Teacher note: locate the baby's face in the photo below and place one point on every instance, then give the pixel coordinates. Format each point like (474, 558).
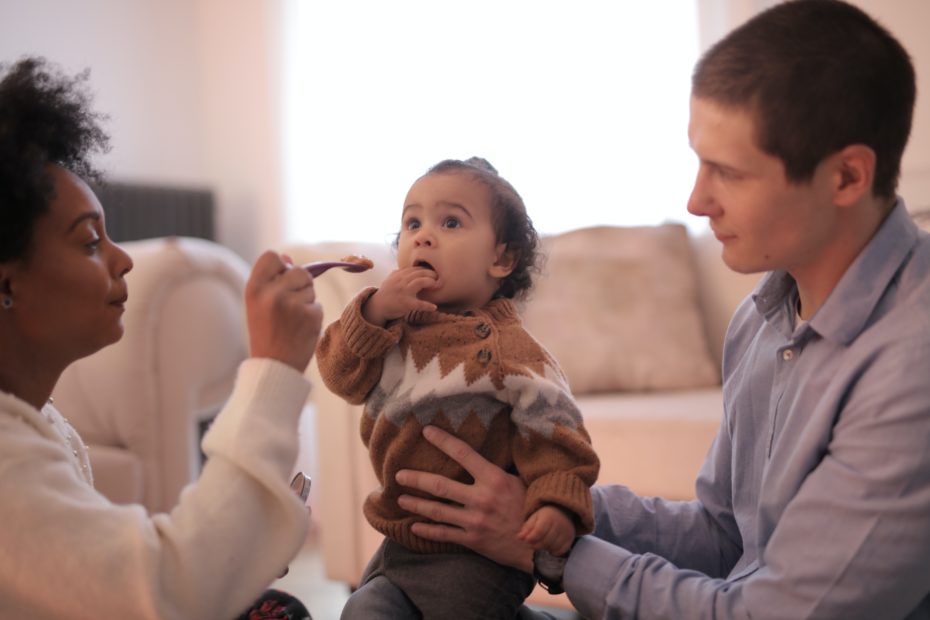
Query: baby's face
(447, 227)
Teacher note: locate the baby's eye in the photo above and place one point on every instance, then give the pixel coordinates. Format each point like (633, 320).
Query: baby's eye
(412, 224)
(451, 222)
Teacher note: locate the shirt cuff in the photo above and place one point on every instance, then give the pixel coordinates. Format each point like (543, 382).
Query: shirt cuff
(591, 573)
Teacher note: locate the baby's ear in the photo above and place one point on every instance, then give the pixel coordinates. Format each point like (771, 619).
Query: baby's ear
(505, 262)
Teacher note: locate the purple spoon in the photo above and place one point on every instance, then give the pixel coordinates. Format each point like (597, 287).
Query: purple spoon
(319, 268)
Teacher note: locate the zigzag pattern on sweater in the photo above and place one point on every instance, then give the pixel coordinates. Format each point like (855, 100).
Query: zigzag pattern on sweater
(540, 402)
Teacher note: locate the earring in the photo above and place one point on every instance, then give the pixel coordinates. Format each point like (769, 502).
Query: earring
(7, 302)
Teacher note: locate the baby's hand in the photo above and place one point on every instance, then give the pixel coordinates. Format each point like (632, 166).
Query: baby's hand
(398, 295)
(549, 529)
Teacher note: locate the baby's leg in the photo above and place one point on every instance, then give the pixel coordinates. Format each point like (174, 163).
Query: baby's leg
(464, 586)
(377, 599)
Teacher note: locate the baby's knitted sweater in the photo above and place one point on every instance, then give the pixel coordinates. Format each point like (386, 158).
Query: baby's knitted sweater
(478, 375)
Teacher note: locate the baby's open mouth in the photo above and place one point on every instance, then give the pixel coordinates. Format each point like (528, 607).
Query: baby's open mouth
(424, 265)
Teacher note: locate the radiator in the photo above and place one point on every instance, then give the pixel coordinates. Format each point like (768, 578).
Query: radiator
(136, 211)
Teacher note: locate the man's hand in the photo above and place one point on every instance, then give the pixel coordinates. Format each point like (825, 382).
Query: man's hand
(397, 295)
(283, 317)
(486, 515)
(549, 529)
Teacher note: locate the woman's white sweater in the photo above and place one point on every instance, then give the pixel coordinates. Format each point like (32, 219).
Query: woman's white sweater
(67, 552)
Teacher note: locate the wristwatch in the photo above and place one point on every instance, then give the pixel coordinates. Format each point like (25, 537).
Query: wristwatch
(548, 569)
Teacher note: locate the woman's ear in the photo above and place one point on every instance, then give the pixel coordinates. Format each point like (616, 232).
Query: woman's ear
(504, 263)
(854, 174)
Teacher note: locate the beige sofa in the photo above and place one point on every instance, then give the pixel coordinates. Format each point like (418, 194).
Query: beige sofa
(636, 318)
(141, 404)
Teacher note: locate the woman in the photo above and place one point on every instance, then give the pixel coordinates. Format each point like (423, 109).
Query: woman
(68, 552)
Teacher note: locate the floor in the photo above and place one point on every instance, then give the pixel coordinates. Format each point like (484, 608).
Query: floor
(306, 580)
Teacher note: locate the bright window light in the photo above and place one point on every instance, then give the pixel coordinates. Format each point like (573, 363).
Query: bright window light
(582, 106)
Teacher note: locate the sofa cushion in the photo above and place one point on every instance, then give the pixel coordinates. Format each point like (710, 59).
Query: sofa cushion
(618, 308)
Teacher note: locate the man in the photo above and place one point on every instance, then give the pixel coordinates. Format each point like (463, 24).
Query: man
(814, 500)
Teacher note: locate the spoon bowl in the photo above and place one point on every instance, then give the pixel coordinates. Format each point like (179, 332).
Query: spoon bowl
(319, 268)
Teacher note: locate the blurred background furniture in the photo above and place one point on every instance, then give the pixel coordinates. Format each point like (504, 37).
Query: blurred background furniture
(139, 211)
(635, 316)
(142, 404)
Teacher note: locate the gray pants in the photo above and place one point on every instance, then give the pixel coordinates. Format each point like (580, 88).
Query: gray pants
(400, 583)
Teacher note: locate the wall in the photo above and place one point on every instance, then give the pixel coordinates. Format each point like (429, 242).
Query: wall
(190, 87)
(907, 20)
(144, 68)
(193, 90)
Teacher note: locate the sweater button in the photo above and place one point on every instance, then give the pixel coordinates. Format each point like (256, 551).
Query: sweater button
(484, 356)
(483, 330)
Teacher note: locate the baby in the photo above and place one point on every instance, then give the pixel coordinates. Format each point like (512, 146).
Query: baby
(440, 342)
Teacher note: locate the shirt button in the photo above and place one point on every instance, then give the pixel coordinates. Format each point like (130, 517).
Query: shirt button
(484, 356)
(483, 330)
(787, 355)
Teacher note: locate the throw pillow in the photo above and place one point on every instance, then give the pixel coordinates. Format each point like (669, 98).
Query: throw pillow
(618, 309)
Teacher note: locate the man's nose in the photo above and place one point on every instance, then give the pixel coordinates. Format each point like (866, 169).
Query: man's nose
(701, 200)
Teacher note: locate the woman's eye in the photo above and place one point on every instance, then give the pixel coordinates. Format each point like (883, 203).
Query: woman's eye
(93, 243)
(451, 222)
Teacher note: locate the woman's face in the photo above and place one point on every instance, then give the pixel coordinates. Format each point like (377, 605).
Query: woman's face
(69, 292)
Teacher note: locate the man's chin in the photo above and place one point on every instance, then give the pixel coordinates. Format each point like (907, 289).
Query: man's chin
(741, 264)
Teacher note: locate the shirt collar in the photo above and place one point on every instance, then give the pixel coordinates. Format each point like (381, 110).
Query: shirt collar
(847, 309)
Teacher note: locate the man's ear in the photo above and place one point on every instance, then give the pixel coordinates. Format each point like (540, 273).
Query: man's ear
(854, 174)
(505, 262)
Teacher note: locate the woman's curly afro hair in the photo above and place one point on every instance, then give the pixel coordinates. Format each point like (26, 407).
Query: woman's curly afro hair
(45, 118)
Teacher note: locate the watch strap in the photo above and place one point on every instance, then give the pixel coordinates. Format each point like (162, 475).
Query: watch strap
(548, 569)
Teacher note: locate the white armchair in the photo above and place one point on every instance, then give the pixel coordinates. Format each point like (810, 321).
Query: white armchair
(141, 405)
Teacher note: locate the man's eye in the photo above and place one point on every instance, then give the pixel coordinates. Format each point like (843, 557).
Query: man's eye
(451, 222)
(727, 174)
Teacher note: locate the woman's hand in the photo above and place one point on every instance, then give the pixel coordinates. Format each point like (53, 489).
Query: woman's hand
(283, 317)
(487, 515)
(397, 295)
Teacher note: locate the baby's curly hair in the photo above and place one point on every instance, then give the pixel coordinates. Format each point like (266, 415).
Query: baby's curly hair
(512, 224)
(45, 117)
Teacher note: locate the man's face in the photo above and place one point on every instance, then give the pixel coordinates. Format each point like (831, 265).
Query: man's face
(763, 221)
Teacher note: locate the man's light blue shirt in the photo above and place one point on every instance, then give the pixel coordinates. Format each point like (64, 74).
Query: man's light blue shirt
(814, 500)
